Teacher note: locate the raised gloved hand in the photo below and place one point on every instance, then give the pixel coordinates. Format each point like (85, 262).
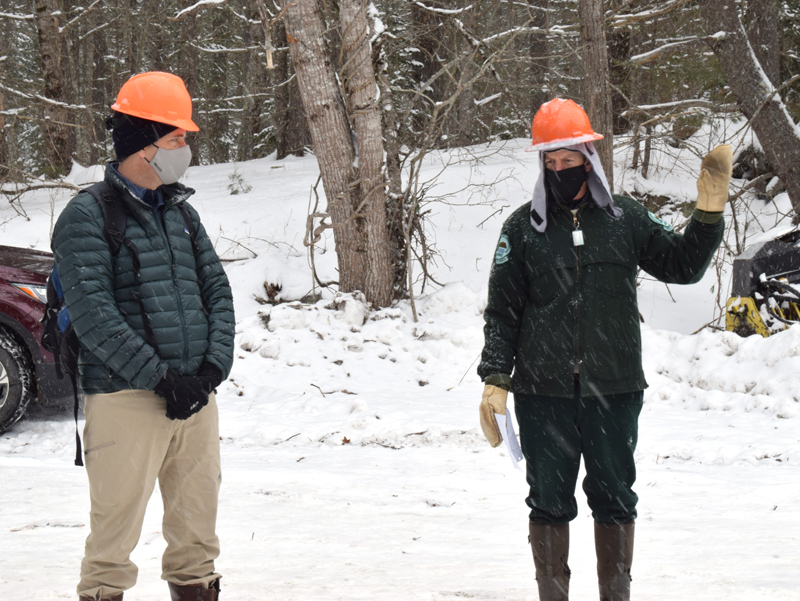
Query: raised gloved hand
(209, 375)
(493, 401)
(715, 179)
(185, 395)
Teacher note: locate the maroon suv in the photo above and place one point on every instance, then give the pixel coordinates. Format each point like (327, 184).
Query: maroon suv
(27, 371)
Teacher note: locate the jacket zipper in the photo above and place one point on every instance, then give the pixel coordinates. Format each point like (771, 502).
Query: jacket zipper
(576, 366)
(162, 226)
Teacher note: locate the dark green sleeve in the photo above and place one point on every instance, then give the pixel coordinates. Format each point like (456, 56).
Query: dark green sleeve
(503, 315)
(217, 298)
(85, 267)
(678, 258)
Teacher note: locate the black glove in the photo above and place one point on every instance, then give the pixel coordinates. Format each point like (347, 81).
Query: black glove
(185, 395)
(210, 376)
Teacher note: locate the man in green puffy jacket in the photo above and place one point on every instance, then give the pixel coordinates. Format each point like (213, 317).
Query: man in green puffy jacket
(562, 332)
(155, 325)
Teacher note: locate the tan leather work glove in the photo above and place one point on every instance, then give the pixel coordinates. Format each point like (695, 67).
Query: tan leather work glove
(715, 179)
(493, 401)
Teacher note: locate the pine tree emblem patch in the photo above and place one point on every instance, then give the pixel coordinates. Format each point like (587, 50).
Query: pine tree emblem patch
(503, 250)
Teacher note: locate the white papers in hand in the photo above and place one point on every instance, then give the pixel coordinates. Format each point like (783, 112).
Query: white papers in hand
(509, 436)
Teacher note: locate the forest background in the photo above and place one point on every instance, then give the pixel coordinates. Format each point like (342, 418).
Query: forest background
(371, 87)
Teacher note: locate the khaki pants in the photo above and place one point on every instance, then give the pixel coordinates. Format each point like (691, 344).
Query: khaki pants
(129, 442)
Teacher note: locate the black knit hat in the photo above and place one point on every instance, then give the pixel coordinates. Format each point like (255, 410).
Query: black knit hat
(131, 134)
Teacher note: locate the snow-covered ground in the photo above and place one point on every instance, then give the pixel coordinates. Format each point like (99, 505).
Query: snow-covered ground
(353, 464)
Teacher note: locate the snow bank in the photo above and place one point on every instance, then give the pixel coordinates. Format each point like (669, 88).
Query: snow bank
(334, 373)
(724, 372)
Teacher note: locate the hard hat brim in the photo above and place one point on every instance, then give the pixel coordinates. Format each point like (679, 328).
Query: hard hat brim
(561, 143)
(186, 124)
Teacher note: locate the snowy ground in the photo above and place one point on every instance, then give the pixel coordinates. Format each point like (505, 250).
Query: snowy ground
(353, 465)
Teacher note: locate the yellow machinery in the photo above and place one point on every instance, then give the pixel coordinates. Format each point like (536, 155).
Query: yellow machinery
(765, 292)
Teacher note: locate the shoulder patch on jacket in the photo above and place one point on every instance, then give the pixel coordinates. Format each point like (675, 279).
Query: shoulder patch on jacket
(503, 250)
(667, 227)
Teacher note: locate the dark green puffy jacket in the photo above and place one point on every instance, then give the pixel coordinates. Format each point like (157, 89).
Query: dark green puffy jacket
(556, 309)
(188, 299)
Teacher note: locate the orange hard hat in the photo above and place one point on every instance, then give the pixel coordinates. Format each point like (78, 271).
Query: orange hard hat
(560, 123)
(157, 96)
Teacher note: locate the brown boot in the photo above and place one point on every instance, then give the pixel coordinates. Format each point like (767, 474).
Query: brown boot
(550, 546)
(614, 545)
(194, 592)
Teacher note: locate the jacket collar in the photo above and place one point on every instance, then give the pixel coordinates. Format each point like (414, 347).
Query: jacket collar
(172, 194)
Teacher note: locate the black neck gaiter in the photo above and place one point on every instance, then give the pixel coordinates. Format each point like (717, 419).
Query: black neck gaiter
(562, 186)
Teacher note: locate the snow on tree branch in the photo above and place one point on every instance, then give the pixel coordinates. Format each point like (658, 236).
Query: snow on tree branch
(222, 49)
(16, 17)
(680, 104)
(488, 99)
(444, 11)
(83, 13)
(646, 57)
(194, 7)
(76, 107)
(621, 20)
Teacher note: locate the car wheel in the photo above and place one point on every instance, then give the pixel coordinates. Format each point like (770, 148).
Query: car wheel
(17, 380)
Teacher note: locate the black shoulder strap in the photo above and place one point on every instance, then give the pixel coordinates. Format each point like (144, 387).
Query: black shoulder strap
(187, 219)
(115, 215)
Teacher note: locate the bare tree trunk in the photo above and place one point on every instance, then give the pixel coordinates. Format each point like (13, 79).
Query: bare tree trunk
(101, 97)
(291, 130)
(761, 17)
(540, 59)
(58, 140)
(618, 48)
(466, 110)
(330, 131)
(756, 96)
(255, 79)
(637, 144)
(361, 92)
(130, 15)
(596, 88)
(394, 201)
(216, 87)
(3, 146)
(9, 156)
(190, 73)
(426, 32)
(648, 144)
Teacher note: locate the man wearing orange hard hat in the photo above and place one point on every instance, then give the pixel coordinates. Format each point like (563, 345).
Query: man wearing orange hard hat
(562, 333)
(152, 312)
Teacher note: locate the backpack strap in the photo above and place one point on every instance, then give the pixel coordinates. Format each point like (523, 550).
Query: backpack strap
(115, 215)
(115, 218)
(73, 378)
(187, 220)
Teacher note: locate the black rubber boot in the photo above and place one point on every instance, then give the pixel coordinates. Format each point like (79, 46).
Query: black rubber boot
(550, 546)
(194, 592)
(614, 546)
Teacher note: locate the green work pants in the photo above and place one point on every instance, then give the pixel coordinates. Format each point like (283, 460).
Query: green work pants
(555, 432)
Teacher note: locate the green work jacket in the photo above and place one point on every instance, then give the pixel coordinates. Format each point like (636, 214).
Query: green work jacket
(557, 310)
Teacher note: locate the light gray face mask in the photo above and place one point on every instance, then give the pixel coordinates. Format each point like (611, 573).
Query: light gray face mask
(170, 165)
